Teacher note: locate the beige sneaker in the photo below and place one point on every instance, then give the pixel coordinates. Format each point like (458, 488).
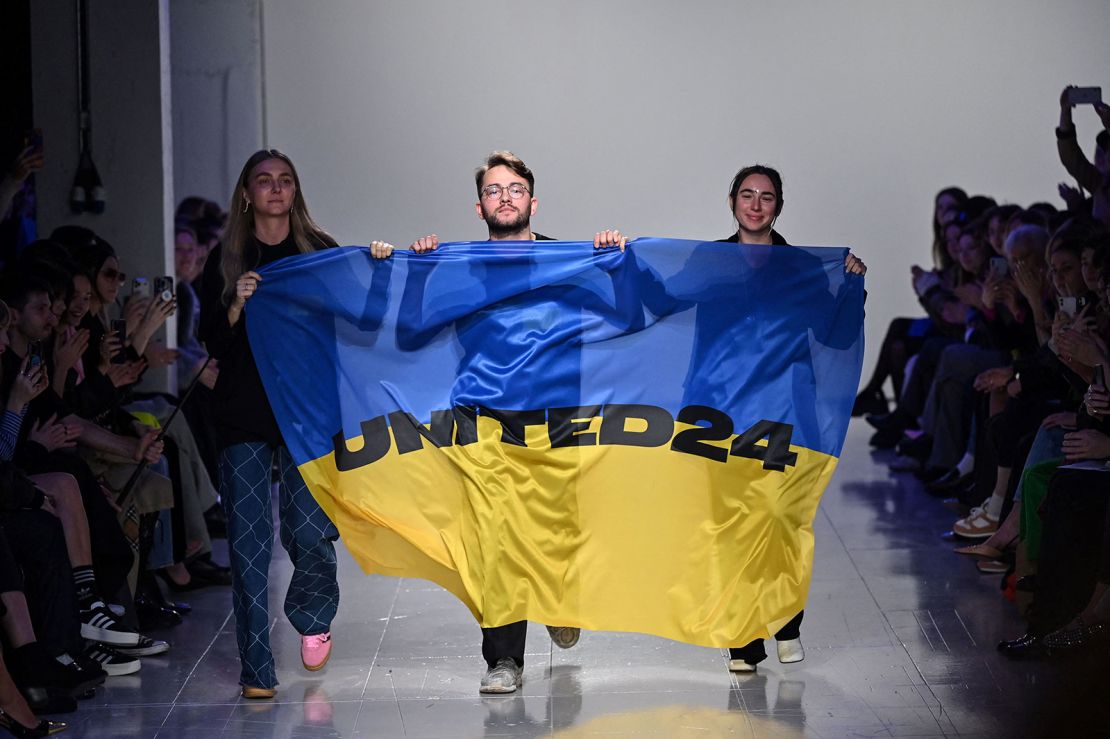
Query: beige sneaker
(504, 677)
(790, 650)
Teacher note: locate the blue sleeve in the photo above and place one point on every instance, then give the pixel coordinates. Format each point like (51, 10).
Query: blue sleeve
(10, 424)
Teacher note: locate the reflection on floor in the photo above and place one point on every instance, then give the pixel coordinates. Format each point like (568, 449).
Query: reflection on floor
(899, 638)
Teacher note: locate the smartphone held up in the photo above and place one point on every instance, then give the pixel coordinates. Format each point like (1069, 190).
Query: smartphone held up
(1084, 96)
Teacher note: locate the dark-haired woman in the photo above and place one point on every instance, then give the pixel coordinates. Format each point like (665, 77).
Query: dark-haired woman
(756, 200)
(905, 336)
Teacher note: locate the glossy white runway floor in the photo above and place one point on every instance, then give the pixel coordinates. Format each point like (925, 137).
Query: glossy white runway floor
(899, 636)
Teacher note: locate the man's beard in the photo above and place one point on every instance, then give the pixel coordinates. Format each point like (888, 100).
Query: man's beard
(507, 228)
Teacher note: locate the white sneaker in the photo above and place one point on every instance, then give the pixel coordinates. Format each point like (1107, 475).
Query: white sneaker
(739, 665)
(790, 650)
(564, 637)
(504, 677)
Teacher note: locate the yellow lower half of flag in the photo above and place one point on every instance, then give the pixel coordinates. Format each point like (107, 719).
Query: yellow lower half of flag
(607, 538)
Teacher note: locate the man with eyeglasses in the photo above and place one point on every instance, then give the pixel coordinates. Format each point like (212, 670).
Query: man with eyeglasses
(506, 202)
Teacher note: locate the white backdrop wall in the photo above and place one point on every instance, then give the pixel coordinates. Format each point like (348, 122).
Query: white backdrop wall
(636, 113)
(216, 49)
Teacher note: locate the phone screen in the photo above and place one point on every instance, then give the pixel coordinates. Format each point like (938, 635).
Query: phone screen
(999, 266)
(1085, 95)
(34, 139)
(140, 286)
(34, 356)
(120, 327)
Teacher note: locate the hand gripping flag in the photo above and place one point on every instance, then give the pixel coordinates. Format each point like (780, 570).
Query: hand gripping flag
(631, 441)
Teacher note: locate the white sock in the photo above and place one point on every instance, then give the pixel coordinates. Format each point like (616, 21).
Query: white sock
(993, 506)
(966, 464)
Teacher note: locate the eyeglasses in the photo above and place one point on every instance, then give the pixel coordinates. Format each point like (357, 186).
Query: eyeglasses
(114, 274)
(748, 195)
(516, 191)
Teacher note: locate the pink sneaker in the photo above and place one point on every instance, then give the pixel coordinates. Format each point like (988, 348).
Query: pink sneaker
(315, 651)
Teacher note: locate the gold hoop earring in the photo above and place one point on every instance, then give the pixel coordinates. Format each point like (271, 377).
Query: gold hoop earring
(246, 205)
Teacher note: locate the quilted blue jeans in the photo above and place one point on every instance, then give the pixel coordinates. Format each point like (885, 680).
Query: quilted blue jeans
(307, 535)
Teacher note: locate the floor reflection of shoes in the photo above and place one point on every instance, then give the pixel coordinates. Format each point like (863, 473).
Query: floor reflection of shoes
(790, 650)
(317, 706)
(564, 637)
(789, 695)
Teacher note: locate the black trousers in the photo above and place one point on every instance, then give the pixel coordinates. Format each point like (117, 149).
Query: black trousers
(38, 546)
(1074, 515)
(754, 652)
(500, 642)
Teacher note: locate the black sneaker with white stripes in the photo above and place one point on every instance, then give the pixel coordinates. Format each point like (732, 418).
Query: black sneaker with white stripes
(111, 661)
(146, 647)
(98, 624)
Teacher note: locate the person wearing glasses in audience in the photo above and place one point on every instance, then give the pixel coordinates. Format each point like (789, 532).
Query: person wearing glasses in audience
(506, 203)
(756, 201)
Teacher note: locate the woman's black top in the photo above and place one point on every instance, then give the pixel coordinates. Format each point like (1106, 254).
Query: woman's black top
(241, 411)
(776, 239)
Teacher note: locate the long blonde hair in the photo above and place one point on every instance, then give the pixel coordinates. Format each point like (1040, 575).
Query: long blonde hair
(307, 234)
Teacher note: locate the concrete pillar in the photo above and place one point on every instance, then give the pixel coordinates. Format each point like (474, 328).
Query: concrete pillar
(131, 121)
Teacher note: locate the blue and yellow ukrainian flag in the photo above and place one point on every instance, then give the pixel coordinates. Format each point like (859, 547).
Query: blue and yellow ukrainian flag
(629, 441)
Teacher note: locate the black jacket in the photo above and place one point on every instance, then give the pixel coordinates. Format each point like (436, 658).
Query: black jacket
(240, 409)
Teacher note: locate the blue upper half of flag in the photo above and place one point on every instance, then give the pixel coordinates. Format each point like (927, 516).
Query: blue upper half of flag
(758, 332)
